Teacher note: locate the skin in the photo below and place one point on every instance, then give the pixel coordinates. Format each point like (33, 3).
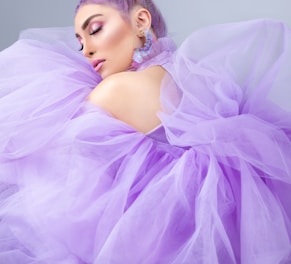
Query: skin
(104, 34)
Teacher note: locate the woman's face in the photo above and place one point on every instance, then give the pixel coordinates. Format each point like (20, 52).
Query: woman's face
(106, 38)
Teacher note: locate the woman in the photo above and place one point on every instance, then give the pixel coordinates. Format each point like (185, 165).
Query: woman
(118, 93)
(146, 154)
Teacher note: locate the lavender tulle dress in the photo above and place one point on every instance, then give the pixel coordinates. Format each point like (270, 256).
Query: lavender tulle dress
(211, 184)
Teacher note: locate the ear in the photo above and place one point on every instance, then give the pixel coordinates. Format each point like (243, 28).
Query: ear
(142, 19)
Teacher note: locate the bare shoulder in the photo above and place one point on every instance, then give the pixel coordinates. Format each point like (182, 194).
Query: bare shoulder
(120, 82)
(132, 97)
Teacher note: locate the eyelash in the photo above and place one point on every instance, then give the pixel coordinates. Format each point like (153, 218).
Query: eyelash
(80, 49)
(95, 31)
(91, 34)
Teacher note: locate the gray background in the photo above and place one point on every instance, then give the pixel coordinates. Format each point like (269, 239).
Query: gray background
(183, 16)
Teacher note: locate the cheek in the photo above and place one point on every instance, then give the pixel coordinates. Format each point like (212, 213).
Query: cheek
(114, 33)
(120, 51)
(119, 39)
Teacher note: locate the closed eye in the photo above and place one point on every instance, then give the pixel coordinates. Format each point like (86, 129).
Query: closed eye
(93, 32)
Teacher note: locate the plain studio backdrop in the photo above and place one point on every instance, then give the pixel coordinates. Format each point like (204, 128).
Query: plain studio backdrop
(182, 16)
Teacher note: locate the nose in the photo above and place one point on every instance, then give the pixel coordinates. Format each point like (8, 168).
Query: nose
(89, 54)
(88, 51)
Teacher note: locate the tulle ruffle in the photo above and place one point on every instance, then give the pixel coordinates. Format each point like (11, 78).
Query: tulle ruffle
(79, 186)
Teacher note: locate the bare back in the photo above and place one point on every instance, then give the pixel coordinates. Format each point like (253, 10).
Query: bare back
(132, 97)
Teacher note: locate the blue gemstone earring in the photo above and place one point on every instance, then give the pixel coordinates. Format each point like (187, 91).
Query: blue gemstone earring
(140, 54)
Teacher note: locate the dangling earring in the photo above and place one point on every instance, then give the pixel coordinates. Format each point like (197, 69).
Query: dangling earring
(140, 54)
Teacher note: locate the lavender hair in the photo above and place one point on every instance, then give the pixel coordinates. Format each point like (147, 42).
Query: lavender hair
(125, 6)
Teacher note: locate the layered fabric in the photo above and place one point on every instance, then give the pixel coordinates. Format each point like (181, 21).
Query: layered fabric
(211, 184)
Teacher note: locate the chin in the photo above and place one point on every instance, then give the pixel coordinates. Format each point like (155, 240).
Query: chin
(105, 74)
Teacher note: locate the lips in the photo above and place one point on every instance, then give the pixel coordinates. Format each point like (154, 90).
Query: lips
(97, 64)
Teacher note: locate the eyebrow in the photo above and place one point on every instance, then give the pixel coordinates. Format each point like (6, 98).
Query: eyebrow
(87, 21)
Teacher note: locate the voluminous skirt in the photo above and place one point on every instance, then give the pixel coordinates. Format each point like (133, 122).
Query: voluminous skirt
(212, 184)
